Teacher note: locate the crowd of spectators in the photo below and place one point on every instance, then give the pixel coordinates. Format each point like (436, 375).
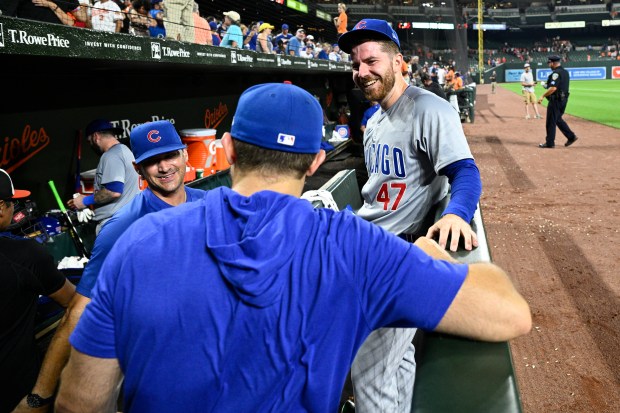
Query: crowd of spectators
(178, 20)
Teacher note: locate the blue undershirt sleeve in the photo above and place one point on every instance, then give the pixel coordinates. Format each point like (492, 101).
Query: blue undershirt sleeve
(465, 188)
(115, 187)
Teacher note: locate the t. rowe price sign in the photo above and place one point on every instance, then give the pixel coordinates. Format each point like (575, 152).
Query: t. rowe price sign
(615, 72)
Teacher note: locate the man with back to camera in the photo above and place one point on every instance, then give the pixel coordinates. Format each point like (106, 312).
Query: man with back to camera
(557, 94)
(116, 181)
(258, 302)
(160, 161)
(529, 95)
(428, 84)
(27, 270)
(415, 152)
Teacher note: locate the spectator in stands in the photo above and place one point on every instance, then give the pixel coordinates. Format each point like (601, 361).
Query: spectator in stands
(125, 6)
(157, 15)
(296, 44)
(179, 20)
(139, 18)
(106, 16)
(27, 271)
(29, 10)
(324, 52)
(309, 39)
(284, 35)
(341, 21)
(215, 38)
(529, 95)
(308, 51)
(441, 76)
(428, 84)
(202, 30)
(264, 44)
(63, 17)
(251, 37)
(234, 36)
(280, 48)
(457, 82)
(335, 53)
(433, 72)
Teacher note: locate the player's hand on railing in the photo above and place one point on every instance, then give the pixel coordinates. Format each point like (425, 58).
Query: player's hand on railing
(455, 227)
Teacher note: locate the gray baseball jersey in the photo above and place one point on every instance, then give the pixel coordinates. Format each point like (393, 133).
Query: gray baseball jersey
(405, 147)
(116, 165)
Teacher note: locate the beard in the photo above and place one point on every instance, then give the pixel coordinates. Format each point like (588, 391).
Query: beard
(379, 90)
(96, 149)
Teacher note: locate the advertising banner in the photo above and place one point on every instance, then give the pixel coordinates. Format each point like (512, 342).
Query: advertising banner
(576, 73)
(513, 75)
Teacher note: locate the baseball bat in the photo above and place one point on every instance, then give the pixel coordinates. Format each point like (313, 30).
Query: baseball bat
(78, 177)
(77, 241)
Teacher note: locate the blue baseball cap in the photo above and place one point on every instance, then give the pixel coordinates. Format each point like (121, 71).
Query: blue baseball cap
(299, 124)
(154, 138)
(372, 29)
(284, 26)
(100, 125)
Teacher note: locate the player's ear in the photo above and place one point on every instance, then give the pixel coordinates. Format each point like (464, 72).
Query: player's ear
(318, 160)
(229, 148)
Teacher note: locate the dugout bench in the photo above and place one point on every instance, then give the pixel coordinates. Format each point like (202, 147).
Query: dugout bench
(453, 374)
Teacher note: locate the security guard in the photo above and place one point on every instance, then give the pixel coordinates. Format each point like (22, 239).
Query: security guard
(557, 94)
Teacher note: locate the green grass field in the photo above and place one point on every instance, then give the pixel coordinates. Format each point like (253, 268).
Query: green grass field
(595, 100)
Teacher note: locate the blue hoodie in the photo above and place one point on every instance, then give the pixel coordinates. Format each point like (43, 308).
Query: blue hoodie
(253, 304)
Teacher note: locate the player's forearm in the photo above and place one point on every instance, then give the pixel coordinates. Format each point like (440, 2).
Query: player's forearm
(488, 307)
(59, 348)
(466, 188)
(430, 247)
(105, 196)
(89, 384)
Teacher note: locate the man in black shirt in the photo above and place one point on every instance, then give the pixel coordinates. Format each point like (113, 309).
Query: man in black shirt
(431, 86)
(27, 270)
(557, 94)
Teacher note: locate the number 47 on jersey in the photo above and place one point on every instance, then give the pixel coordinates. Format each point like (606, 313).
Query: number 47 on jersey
(390, 194)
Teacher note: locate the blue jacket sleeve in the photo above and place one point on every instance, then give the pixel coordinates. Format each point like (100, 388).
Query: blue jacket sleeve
(465, 188)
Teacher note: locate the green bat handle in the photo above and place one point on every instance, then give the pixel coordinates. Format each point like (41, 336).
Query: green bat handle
(60, 204)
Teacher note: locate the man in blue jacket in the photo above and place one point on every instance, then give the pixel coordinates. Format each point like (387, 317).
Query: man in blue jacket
(247, 301)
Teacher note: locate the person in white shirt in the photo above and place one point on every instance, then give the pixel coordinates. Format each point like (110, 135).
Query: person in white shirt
(529, 97)
(441, 76)
(106, 16)
(335, 53)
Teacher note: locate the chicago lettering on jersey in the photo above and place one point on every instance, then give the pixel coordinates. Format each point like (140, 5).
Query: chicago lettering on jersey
(386, 160)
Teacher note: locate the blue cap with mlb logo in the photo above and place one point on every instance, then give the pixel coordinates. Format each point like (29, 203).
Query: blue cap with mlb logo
(298, 126)
(371, 29)
(154, 138)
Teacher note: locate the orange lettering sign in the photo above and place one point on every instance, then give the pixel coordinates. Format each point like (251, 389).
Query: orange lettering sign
(213, 117)
(15, 151)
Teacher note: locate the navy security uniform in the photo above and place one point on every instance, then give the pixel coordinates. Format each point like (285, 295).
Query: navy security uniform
(557, 104)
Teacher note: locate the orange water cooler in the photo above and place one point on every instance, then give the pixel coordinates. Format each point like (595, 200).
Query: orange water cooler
(204, 151)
